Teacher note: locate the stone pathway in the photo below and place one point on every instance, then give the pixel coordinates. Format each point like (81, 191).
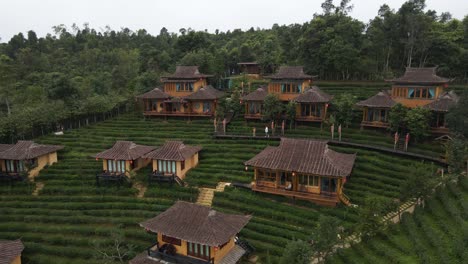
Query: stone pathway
(141, 189)
(205, 197)
(39, 187)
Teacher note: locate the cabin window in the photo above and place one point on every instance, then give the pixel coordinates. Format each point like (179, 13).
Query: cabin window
(255, 108)
(116, 166)
(263, 175)
(309, 180)
(198, 250)
(421, 93)
(206, 107)
(438, 120)
(167, 166)
(182, 165)
(184, 87)
(311, 110)
(290, 88)
(377, 115)
(171, 240)
(14, 166)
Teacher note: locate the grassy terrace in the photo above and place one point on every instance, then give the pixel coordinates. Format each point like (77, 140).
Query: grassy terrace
(436, 234)
(59, 225)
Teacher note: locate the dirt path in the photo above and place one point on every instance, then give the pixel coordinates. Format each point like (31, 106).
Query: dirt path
(141, 189)
(39, 187)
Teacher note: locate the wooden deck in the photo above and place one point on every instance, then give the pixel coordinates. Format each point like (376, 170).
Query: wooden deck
(321, 199)
(309, 119)
(375, 124)
(187, 114)
(440, 130)
(6, 176)
(255, 116)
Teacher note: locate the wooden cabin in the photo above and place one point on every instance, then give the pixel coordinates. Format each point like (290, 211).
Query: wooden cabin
(250, 68)
(439, 108)
(184, 93)
(118, 161)
(25, 158)
(290, 84)
(253, 103)
(172, 161)
(10, 251)
(418, 87)
(302, 169)
(192, 233)
(375, 110)
(312, 105)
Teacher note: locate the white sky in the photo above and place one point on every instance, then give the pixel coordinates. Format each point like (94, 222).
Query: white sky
(40, 15)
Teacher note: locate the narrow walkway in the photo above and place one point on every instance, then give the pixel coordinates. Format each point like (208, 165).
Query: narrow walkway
(141, 189)
(205, 197)
(393, 217)
(39, 187)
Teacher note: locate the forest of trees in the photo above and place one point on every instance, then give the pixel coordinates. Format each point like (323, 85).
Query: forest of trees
(78, 71)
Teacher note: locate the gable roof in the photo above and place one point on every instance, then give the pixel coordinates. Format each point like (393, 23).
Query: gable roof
(25, 149)
(290, 72)
(313, 95)
(381, 99)
(156, 93)
(257, 95)
(444, 102)
(187, 72)
(9, 250)
(420, 75)
(124, 150)
(173, 150)
(197, 223)
(304, 156)
(205, 93)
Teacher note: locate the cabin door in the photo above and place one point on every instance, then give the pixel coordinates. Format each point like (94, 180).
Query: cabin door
(168, 107)
(328, 185)
(286, 180)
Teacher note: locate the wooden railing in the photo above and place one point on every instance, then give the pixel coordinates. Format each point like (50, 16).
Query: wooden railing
(155, 252)
(375, 124)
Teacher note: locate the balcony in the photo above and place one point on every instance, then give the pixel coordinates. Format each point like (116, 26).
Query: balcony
(327, 199)
(160, 254)
(172, 113)
(158, 176)
(107, 177)
(12, 176)
(253, 116)
(309, 118)
(375, 124)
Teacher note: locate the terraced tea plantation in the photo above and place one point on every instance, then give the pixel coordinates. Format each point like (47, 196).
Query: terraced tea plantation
(71, 218)
(436, 234)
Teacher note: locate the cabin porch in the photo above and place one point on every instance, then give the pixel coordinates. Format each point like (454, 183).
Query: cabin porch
(107, 177)
(158, 176)
(318, 189)
(159, 252)
(12, 176)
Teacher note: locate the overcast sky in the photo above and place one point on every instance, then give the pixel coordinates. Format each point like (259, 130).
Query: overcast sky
(40, 15)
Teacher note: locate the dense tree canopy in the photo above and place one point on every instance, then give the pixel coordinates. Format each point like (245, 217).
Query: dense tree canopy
(80, 70)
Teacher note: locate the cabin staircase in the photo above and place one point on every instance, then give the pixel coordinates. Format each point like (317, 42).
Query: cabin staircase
(400, 145)
(180, 181)
(39, 187)
(206, 195)
(344, 199)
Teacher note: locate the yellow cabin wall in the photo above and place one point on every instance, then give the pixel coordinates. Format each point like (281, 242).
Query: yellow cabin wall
(220, 253)
(17, 260)
(199, 109)
(2, 165)
(412, 103)
(170, 88)
(275, 88)
(216, 254)
(189, 164)
(182, 249)
(43, 161)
